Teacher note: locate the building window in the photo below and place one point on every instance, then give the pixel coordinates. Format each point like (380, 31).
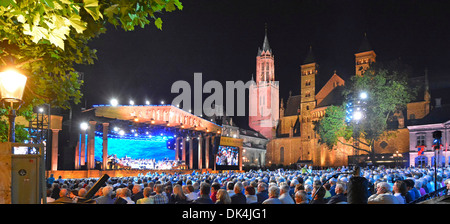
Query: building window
(420, 140)
(412, 116)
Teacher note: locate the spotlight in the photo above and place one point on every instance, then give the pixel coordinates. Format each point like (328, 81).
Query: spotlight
(357, 115)
(363, 95)
(84, 126)
(147, 102)
(114, 102)
(131, 102)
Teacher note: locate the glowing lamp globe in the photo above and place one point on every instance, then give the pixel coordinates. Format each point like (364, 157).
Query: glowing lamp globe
(12, 85)
(363, 95)
(84, 126)
(114, 102)
(357, 115)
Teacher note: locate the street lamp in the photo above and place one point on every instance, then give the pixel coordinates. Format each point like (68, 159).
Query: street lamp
(84, 126)
(12, 86)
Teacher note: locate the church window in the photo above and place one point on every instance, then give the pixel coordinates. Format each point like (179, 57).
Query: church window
(307, 107)
(308, 83)
(308, 94)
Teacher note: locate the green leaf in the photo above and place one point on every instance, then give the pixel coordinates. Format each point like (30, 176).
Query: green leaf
(178, 4)
(158, 23)
(6, 3)
(91, 6)
(49, 3)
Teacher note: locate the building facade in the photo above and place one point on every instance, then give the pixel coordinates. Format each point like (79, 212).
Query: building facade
(264, 93)
(422, 151)
(253, 146)
(295, 139)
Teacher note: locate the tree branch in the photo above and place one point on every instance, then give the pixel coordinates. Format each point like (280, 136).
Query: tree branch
(29, 61)
(352, 146)
(37, 95)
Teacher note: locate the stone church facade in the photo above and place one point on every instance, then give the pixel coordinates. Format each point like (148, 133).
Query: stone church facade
(293, 139)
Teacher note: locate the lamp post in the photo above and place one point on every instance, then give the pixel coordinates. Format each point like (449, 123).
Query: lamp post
(12, 85)
(355, 113)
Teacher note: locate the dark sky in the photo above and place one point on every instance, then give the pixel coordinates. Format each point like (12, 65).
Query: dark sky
(220, 39)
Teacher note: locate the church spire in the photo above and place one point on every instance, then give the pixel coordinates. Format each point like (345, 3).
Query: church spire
(310, 57)
(266, 46)
(364, 57)
(365, 45)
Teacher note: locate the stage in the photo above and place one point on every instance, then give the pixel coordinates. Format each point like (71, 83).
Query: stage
(80, 174)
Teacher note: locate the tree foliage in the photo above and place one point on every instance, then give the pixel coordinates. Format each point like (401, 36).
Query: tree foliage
(388, 92)
(45, 39)
(332, 126)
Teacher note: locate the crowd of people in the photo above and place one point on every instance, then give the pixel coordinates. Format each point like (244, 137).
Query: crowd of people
(303, 186)
(149, 164)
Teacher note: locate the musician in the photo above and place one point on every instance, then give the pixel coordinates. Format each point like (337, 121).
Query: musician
(112, 161)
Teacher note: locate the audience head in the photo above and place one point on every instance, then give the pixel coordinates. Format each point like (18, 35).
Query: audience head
(223, 196)
(300, 197)
(274, 192)
(238, 188)
(249, 190)
(205, 189)
(147, 191)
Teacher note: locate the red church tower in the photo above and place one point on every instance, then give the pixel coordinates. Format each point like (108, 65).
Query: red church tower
(264, 94)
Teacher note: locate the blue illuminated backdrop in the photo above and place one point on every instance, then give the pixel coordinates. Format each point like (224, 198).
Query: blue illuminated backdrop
(154, 147)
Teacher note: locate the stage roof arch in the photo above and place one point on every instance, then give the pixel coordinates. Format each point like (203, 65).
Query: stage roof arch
(156, 115)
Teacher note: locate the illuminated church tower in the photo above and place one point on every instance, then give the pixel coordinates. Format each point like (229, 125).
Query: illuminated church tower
(364, 57)
(264, 94)
(309, 71)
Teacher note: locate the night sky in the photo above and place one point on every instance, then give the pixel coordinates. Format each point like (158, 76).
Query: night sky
(220, 39)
